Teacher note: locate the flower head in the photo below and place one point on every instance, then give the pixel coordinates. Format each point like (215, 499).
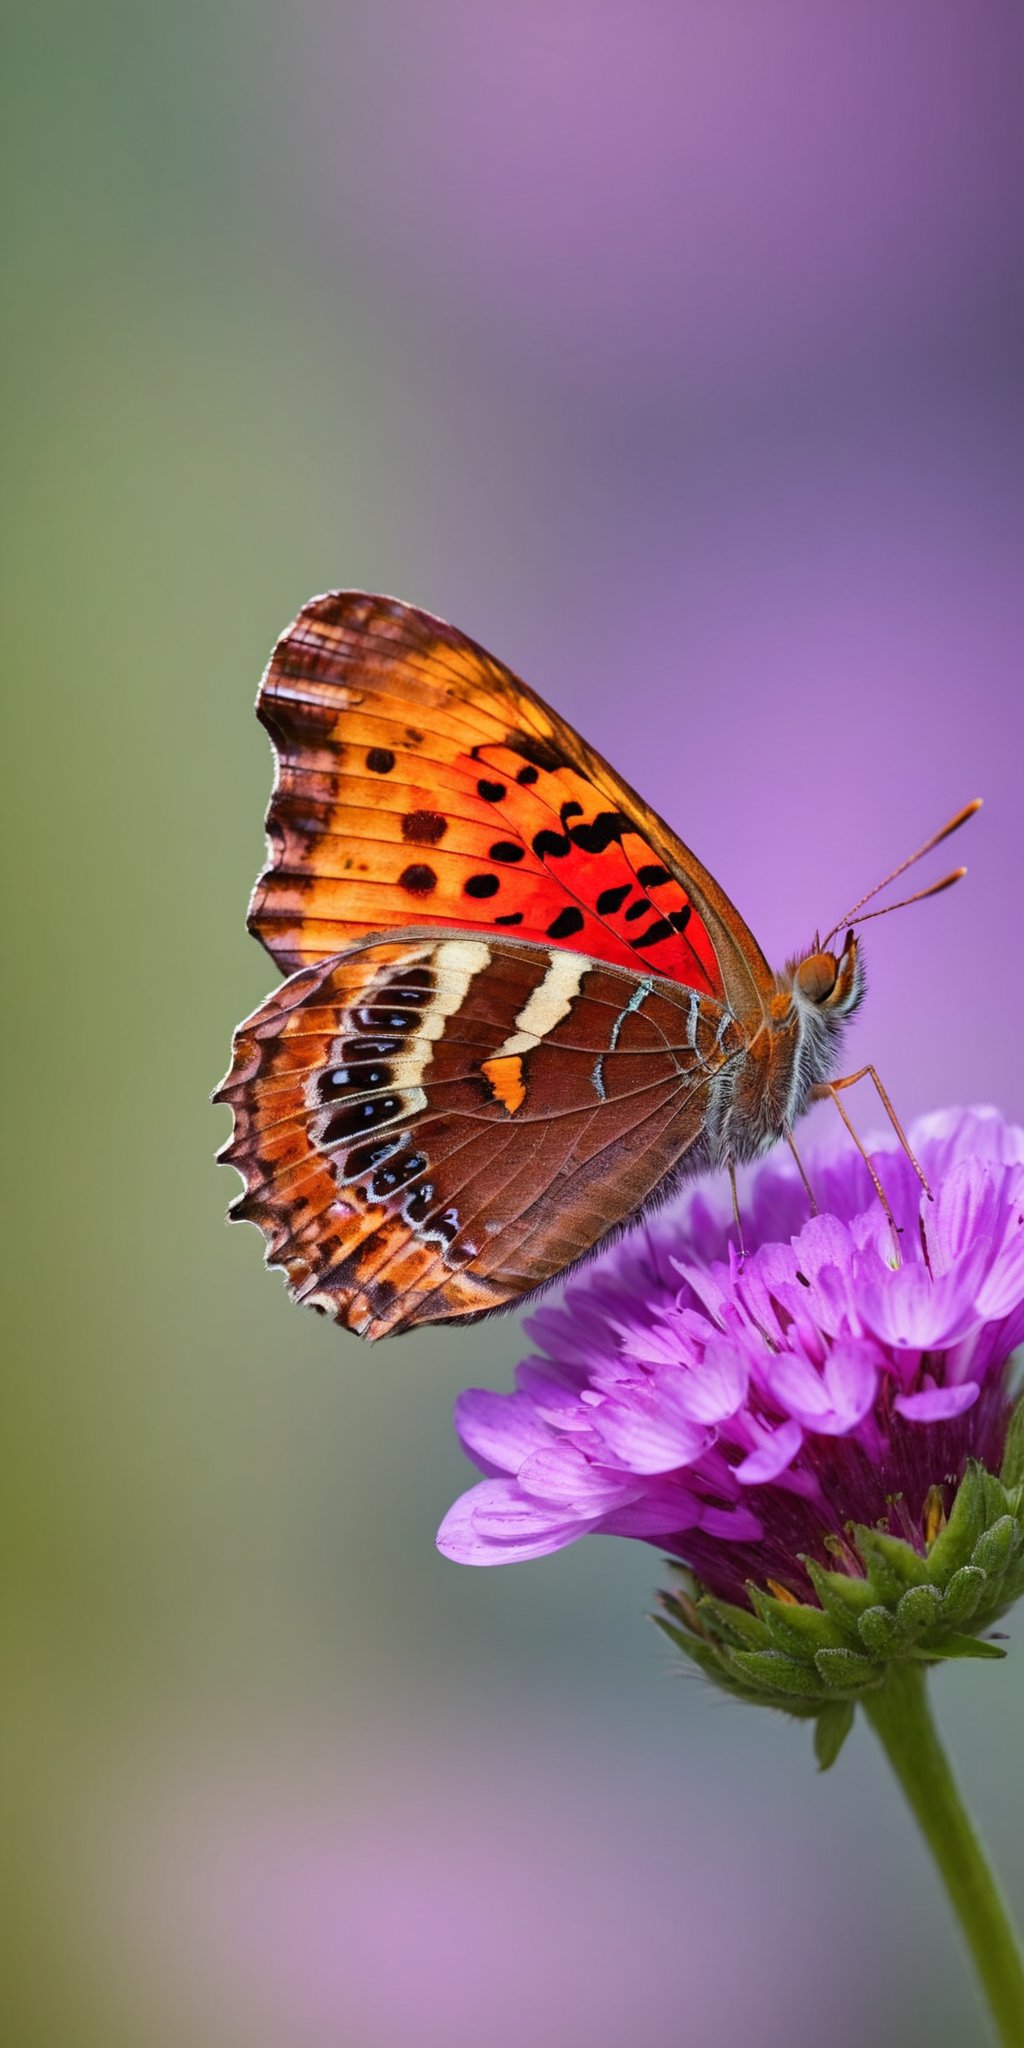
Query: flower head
(743, 1414)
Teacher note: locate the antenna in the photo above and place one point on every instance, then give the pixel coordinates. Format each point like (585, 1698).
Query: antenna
(936, 888)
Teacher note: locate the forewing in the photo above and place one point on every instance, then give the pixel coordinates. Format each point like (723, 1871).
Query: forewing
(429, 1128)
(418, 781)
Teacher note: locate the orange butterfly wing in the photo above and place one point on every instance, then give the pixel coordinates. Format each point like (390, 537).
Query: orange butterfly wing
(419, 782)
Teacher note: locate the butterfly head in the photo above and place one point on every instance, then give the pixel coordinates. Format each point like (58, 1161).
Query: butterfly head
(828, 985)
(815, 997)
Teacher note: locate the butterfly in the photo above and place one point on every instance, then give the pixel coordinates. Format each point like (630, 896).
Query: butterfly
(518, 1012)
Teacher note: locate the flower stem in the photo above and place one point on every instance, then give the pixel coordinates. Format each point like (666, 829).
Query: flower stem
(901, 1717)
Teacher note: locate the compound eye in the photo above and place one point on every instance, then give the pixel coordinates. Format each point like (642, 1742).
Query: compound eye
(816, 976)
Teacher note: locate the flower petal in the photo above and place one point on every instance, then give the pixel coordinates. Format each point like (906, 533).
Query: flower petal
(499, 1430)
(937, 1404)
(494, 1524)
(774, 1451)
(648, 1433)
(716, 1388)
(733, 1525)
(560, 1473)
(831, 1402)
(659, 1511)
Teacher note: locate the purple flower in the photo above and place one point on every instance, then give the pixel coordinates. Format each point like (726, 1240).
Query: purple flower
(741, 1413)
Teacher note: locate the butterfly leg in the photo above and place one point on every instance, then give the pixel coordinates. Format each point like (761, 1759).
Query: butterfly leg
(736, 1217)
(870, 1073)
(802, 1171)
(831, 1089)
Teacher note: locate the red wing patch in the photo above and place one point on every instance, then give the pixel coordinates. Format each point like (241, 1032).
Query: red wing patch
(419, 782)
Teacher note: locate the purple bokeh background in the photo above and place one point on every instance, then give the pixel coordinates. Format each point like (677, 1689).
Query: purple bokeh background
(726, 327)
(674, 353)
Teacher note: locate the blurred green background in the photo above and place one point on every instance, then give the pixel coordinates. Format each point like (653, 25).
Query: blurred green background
(676, 358)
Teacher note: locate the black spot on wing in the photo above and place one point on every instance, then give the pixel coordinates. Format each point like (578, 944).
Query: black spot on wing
(418, 880)
(548, 845)
(357, 1117)
(416, 984)
(565, 924)
(424, 828)
(401, 1170)
(380, 760)
(338, 1081)
(607, 827)
(370, 1048)
(660, 929)
(384, 1017)
(418, 1205)
(363, 1158)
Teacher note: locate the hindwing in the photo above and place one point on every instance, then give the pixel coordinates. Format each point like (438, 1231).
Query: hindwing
(429, 1127)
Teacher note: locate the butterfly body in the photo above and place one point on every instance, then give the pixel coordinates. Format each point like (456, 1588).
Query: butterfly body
(519, 1010)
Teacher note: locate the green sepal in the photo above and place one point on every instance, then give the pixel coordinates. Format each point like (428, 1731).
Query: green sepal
(968, 1646)
(736, 1625)
(831, 1728)
(879, 1631)
(963, 1593)
(773, 1671)
(794, 1627)
(1012, 1473)
(994, 1497)
(954, 1544)
(919, 1610)
(813, 1661)
(891, 1564)
(995, 1549)
(843, 1598)
(845, 1671)
(703, 1654)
